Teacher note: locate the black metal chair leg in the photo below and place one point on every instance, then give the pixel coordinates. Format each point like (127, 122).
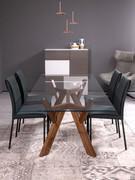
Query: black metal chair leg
(90, 122)
(116, 124)
(17, 123)
(119, 128)
(43, 130)
(88, 125)
(23, 121)
(112, 121)
(124, 136)
(11, 132)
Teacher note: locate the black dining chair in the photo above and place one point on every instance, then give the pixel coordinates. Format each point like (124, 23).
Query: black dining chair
(111, 113)
(112, 86)
(109, 92)
(113, 83)
(26, 98)
(20, 110)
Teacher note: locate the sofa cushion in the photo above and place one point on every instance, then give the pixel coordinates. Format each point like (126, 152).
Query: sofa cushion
(132, 85)
(132, 69)
(123, 67)
(126, 56)
(106, 77)
(124, 60)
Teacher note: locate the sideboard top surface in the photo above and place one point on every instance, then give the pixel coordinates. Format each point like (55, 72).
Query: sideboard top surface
(66, 49)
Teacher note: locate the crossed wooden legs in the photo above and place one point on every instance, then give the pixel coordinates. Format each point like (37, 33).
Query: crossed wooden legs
(79, 121)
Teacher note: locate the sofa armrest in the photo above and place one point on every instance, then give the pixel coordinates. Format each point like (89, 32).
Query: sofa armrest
(132, 85)
(106, 77)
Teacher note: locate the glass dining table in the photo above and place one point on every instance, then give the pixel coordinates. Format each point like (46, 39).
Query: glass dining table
(76, 94)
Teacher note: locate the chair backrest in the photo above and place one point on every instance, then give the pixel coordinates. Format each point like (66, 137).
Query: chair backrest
(22, 84)
(15, 95)
(120, 95)
(113, 83)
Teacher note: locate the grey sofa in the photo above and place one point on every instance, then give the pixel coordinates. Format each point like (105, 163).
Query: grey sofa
(125, 63)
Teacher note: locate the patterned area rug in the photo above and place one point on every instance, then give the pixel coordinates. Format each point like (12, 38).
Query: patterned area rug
(67, 159)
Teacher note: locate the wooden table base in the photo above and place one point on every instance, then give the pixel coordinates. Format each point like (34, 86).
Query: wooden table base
(79, 121)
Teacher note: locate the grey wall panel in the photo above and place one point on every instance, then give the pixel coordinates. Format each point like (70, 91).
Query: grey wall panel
(0, 48)
(0, 68)
(31, 26)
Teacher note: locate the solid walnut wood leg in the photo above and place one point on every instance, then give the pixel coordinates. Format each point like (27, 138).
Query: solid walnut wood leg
(83, 133)
(60, 98)
(52, 133)
(76, 100)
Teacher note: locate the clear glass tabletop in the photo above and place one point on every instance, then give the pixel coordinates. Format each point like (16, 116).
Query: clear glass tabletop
(77, 94)
(72, 93)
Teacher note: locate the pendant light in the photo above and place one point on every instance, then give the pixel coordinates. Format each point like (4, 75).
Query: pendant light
(60, 10)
